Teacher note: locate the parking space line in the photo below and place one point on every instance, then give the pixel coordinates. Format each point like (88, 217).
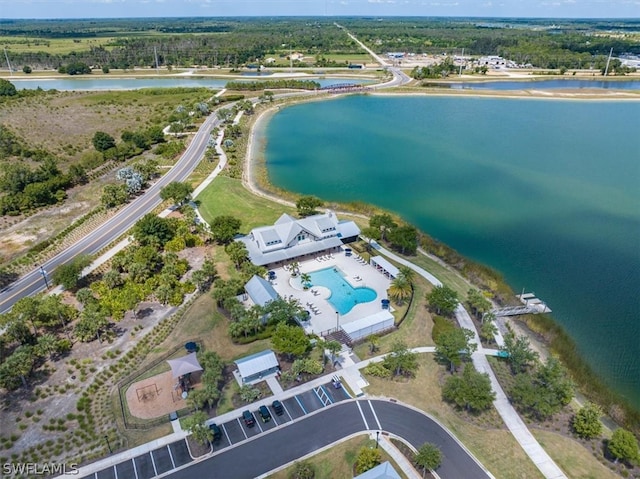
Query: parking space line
(135, 471)
(259, 426)
(374, 414)
(273, 418)
(226, 434)
(301, 406)
(285, 408)
(173, 463)
(326, 394)
(115, 470)
(242, 428)
(153, 463)
(362, 414)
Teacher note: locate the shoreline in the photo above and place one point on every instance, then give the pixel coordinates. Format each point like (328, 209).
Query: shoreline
(255, 161)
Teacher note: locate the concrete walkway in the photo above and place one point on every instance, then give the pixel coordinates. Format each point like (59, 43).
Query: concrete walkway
(512, 420)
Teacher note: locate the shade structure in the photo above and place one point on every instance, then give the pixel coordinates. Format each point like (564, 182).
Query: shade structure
(184, 365)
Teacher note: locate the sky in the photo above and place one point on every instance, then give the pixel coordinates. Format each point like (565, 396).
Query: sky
(220, 8)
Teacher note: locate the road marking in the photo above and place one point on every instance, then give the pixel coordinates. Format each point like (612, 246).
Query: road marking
(374, 414)
(242, 428)
(258, 423)
(173, 463)
(301, 406)
(362, 414)
(115, 471)
(135, 471)
(287, 411)
(226, 434)
(153, 463)
(273, 418)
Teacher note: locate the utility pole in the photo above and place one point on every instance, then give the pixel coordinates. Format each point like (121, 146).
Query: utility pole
(606, 69)
(43, 272)
(8, 64)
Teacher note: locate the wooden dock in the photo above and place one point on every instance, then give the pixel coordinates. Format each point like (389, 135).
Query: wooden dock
(530, 305)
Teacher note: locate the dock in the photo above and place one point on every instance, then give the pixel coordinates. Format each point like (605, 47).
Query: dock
(530, 305)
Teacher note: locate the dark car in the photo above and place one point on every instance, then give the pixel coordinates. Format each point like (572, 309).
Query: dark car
(248, 418)
(217, 432)
(264, 414)
(277, 407)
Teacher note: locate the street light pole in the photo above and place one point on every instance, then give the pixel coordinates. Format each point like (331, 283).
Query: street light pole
(44, 276)
(337, 321)
(106, 438)
(377, 438)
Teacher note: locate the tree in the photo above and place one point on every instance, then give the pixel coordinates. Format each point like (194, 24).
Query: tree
(471, 391)
(400, 290)
(488, 331)
(153, 230)
(367, 458)
(454, 344)
(290, 340)
(623, 446)
(334, 347)
(237, 252)
(428, 457)
(114, 195)
(17, 367)
(7, 88)
(371, 234)
(382, 223)
(404, 238)
(519, 353)
(224, 228)
(303, 470)
(443, 299)
(544, 393)
(68, 275)
(26, 69)
(586, 422)
(196, 425)
(103, 141)
(407, 273)
(93, 320)
(249, 393)
(478, 303)
(401, 361)
(374, 341)
(307, 205)
(177, 192)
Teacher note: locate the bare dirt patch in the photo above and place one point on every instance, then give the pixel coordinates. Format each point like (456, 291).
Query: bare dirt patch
(156, 396)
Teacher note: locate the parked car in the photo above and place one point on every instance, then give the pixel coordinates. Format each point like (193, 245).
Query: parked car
(265, 415)
(248, 418)
(277, 407)
(217, 432)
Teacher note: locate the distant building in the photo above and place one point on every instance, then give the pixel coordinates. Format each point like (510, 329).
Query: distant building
(492, 61)
(291, 238)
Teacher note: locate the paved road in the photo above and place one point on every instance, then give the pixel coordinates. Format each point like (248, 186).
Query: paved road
(281, 446)
(117, 225)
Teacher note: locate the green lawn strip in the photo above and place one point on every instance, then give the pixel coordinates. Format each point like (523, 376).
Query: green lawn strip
(485, 435)
(227, 196)
(338, 461)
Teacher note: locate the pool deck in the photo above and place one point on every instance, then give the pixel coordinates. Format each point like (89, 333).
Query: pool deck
(288, 287)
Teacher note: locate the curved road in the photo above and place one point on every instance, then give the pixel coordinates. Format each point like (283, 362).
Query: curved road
(117, 225)
(283, 445)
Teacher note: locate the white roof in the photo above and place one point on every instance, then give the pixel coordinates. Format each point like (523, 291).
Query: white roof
(384, 264)
(382, 471)
(368, 321)
(256, 363)
(260, 290)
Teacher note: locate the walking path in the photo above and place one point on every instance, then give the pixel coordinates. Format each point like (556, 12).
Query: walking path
(512, 420)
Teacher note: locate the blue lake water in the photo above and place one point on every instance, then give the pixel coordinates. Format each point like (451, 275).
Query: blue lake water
(545, 191)
(556, 84)
(87, 83)
(343, 296)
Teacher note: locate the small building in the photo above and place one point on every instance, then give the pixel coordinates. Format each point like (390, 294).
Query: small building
(384, 266)
(260, 291)
(257, 366)
(364, 327)
(381, 471)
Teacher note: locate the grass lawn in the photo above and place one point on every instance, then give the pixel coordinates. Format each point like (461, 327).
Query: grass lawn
(226, 196)
(484, 436)
(576, 461)
(338, 461)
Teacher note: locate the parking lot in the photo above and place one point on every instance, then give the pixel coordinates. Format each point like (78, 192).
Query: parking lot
(176, 454)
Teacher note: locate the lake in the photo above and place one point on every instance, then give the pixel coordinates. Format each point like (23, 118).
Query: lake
(87, 83)
(545, 191)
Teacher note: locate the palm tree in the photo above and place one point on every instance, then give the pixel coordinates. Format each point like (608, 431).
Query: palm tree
(407, 273)
(400, 290)
(306, 280)
(333, 347)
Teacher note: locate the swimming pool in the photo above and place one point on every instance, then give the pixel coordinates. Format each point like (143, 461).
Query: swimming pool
(343, 296)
